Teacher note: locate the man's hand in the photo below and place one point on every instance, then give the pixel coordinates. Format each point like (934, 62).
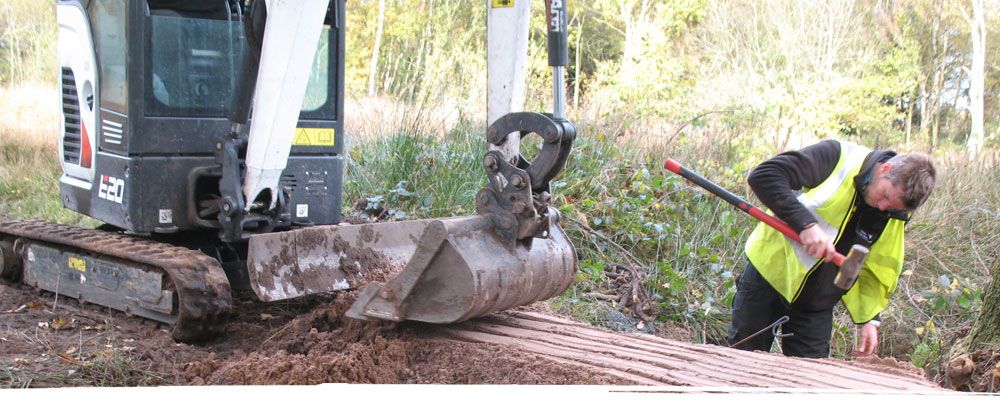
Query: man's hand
(817, 242)
(867, 340)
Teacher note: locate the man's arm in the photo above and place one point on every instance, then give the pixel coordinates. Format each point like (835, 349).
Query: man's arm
(775, 181)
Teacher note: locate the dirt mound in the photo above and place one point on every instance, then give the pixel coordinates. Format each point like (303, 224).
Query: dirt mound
(889, 365)
(324, 346)
(319, 346)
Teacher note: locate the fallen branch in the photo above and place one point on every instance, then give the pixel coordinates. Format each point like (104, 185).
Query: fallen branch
(597, 234)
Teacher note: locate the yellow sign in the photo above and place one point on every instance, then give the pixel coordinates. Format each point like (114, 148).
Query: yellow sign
(78, 264)
(314, 137)
(503, 3)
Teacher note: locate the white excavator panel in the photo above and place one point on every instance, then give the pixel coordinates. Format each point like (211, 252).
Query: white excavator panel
(290, 37)
(78, 69)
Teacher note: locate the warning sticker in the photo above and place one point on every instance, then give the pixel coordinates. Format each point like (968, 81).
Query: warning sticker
(78, 264)
(314, 137)
(503, 3)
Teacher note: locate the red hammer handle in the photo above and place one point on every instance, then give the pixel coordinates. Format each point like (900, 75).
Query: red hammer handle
(741, 204)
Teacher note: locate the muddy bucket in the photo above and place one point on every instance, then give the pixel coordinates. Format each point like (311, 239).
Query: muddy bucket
(435, 270)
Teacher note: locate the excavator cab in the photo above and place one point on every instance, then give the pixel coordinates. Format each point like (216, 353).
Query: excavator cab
(208, 137)
(157, 85)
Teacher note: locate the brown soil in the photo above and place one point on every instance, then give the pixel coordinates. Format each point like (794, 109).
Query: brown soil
(49, 342)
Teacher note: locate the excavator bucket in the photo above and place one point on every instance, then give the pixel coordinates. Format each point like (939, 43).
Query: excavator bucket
(434, 270)
(512, 253)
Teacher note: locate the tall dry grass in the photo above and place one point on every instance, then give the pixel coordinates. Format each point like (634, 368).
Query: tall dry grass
(368, 119)
(29, 155)
(29, 114)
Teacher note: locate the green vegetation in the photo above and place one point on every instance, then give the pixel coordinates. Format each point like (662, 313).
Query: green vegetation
(412, 173)
(27, 42)
(29, 182)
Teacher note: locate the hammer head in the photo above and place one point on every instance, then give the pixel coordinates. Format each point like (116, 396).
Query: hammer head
(851, 267)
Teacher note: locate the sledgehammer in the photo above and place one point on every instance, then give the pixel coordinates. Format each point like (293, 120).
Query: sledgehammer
(850, 266)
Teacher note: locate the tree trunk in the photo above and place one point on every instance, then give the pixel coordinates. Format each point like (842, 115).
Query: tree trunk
(929, 122)
(925, 103)
(416, 74)
(373, 64)
(637, 25)
(909, 115)
(987, 327)
(576, 75)
(977, 79)
(936, 83)
(935, 127)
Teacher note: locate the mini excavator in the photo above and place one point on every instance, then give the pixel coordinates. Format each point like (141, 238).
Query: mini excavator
(208, 138)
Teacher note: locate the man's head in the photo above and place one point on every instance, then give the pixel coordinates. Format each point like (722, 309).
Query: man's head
(902, 183)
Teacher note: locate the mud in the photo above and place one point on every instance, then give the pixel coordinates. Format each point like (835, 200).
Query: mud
(311, 341)
(365, 263)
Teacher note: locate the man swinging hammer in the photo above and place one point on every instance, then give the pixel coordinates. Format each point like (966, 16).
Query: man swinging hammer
(836, 195)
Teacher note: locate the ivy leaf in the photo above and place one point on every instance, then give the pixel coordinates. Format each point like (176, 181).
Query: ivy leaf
(963, 302)
(400, 190)
(684, 251)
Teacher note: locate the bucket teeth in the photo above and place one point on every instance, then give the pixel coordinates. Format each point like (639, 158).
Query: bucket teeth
(369, 305)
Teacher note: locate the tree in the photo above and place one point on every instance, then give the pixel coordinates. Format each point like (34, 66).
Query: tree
(987, 327)
(651, 74)
(977, 25)
(373, 66)
(982, 341)
(27, 41)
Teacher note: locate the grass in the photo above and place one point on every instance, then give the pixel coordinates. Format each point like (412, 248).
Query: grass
(114, 369)
(29, 163)
(414, 175)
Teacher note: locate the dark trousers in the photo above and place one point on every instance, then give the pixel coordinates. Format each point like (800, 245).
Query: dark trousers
(757, 305)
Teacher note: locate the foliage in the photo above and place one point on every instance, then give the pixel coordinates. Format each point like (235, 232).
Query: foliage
(412, 175)
(652, 73)
(430, 50)
(29, 176)
(929, 349)
(950, 250)
(27, 42)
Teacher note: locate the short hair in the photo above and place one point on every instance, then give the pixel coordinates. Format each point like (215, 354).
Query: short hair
(914, 173)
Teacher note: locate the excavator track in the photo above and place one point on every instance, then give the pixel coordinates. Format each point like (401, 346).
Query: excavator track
(201, 302)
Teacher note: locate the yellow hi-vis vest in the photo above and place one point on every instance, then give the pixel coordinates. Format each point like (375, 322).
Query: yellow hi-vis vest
(786, 264)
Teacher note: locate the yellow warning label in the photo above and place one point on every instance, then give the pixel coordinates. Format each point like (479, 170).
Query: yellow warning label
(503, 3)
(314, 137)
(78, 264)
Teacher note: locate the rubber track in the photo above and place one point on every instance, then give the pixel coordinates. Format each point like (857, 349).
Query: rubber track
(650, 360)
(204, 298)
